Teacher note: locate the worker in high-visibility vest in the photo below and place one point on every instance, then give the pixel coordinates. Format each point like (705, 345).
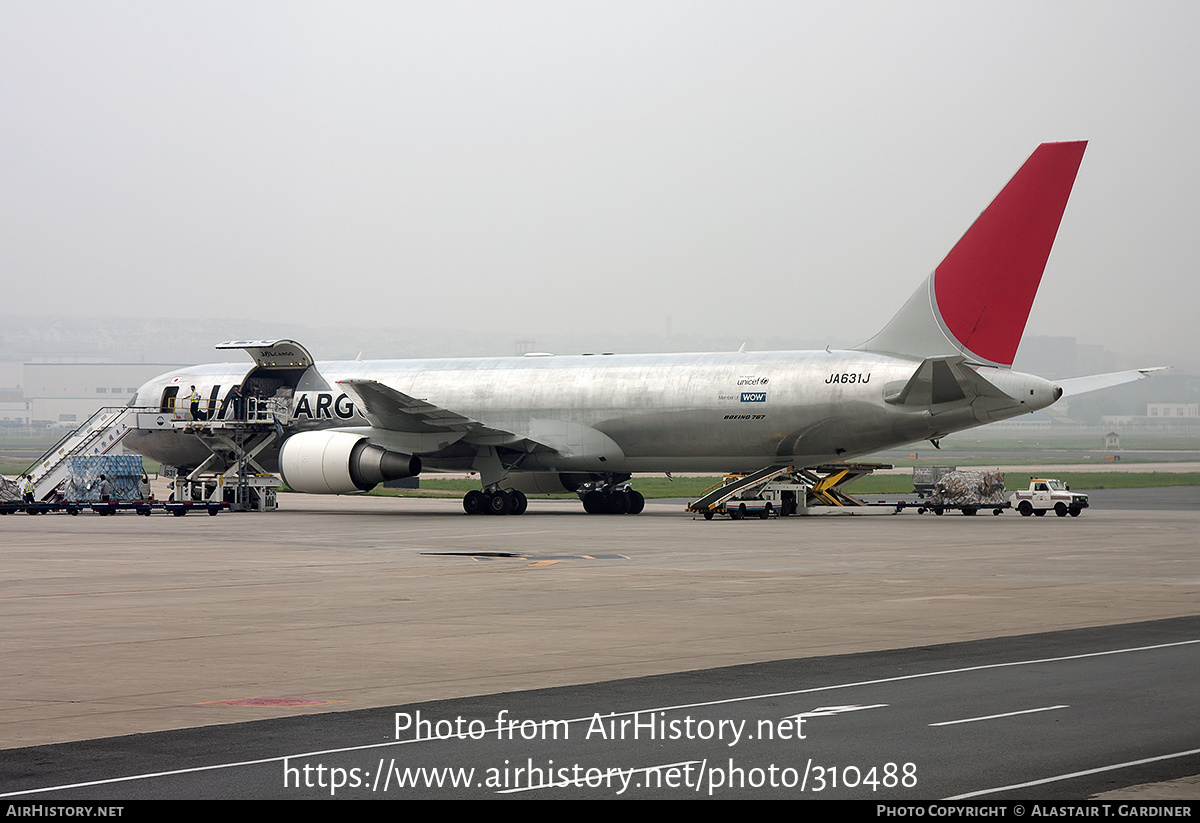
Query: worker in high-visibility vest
(194, 400)
(27, 487)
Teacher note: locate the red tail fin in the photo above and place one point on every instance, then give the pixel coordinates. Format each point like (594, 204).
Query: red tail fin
(977, 301)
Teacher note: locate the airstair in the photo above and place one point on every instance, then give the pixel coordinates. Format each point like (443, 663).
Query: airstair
(100, 434)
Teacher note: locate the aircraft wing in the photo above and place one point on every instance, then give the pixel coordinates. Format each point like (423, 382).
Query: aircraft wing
(392, 410)
(387, 408)
(1082, 385)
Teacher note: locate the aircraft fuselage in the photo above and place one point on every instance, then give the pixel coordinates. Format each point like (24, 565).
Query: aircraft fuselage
(630, 413)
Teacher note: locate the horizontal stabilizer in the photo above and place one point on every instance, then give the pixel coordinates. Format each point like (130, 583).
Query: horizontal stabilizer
(940, 380)
(1082, 385)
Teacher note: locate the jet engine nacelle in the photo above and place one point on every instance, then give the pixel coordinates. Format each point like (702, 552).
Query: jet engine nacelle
(340, 463)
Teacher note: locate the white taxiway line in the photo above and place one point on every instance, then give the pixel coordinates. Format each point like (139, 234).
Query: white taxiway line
(1073, 775)
(997, 716)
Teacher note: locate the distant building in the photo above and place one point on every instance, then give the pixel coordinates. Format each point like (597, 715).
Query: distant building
(1161, 410)
(14, 408)
(1112, 440)
(72, 392)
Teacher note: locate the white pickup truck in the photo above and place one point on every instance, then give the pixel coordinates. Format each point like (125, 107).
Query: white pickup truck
(1045, 494)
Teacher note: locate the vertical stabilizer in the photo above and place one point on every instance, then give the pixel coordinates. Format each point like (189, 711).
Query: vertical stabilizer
(977, 300)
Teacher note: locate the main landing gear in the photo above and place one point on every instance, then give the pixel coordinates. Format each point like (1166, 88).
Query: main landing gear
(496, 501)
(613, 501)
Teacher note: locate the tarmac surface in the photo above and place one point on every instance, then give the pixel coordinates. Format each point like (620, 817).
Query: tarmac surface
(125, 625)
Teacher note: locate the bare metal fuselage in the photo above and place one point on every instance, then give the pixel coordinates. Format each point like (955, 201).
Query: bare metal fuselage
(629, 413)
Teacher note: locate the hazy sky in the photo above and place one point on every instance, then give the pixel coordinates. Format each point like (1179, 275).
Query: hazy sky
(544, 166)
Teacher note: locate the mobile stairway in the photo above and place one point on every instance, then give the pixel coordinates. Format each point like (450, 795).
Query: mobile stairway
(782, 490)
(714, 499)
(101, 433)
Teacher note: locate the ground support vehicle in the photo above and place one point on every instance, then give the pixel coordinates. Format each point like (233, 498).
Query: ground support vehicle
(780, 491)
(1047, 494)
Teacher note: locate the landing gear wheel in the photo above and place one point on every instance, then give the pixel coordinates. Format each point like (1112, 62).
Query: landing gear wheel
(1025, 508)
(520, 503)
(1060, 509)
(618, 503)
(636, 502)
(473, 502)
(498, 502)
(593, 503)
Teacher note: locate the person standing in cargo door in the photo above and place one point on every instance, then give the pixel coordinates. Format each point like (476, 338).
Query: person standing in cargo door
(194, 401)
(239, 402)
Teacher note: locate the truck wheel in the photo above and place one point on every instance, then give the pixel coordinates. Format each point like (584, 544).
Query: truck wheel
(938, 512)
(1039, 512)
(1025, 508)
(1075, 511)
(765, 513)
(1060, 509)
(969, 510)
(708, 515)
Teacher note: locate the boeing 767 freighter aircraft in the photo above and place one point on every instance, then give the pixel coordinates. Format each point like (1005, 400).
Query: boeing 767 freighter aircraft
(551, 423)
